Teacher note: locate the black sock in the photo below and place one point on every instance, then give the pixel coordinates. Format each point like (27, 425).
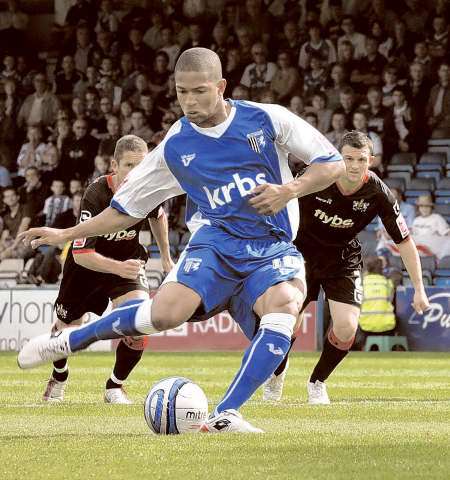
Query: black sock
(331, 357)
(126, 359)
(60, 376)
(283, 364)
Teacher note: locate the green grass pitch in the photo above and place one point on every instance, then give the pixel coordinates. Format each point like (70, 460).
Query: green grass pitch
(389, 419)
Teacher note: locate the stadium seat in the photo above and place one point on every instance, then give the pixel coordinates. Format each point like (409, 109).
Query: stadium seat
(444, 262)
(403, 159)
(443, 269)
(427, 278)
(406, 176)
(442, 200)
(439, 142)
(396, 262)
(434, 174)
(428, 263)
(385, 343)
(419, 186)
(439, 158)
(442, 281)
(443, 209)
(443, 187)
(396, 182)
(10, 267)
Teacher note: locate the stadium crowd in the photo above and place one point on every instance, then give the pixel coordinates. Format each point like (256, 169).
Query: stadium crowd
(381, 68)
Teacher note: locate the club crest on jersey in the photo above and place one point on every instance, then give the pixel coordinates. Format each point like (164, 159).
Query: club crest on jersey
(256, 141)
(360, 205)
(187, 159)
(192, 264)
(61, 311)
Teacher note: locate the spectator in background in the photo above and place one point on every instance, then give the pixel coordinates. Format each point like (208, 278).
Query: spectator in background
(297, 106)
(375, 111)
(415, 17)
(66, 79)
(357, 39)
(260, 72)
(82, 11)
(92, 105)
(33, 194)
(245, 43)
(13, 24)
(5, 177)
(16, 220)
(90, 81)
(347, 58)
(401, 48)
(347, 106)
(196, 37)
(370, 66)
(127, 74)
(390, 81)
(151, 115)
(315, 78)
(234, 69)
(316, 45)
(170, 46)
(221, 44)
(141, 84)
(77, 109)
(107, 88)
(107, 20)
(385, 17)
(57, 203)
(417, 88)
(160, 74)
(377, 309)
(31, 152)
(139, 127)
(338, 76)
(102, 167)
(438, 108)
(423, 57)
(108, 142)
(401, 127)
(319, 107)
(240, 93)
(99, 129)
(338, 122)
(40, 107)
(78, 153)
(152, 37)
(427, 223)
(126, 110)
(360, 124)
(75, 186)
(9, 72)
(385, 42)
(142, 54)
(180, 31)
(438, 40)
(312, 119)
(9, 147)
(62, 133)
(49, 166)
(168, 119)
(290, 41)
(83, 48)
(257, 15)
(286, 80)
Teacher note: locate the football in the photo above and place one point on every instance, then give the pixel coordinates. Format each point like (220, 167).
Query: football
(175, 405)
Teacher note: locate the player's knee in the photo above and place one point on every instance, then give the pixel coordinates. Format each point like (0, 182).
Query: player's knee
(135, 343)
(166, 317)
(345, 329)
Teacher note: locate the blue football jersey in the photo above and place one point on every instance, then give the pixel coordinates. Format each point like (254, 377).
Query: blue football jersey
(218, 168)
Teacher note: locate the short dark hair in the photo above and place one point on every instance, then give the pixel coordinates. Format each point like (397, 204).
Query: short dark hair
(373, 265)
(356, 139)
(200, 59)
(129, 143)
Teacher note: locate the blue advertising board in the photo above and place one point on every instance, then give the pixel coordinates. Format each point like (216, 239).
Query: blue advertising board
(430, 331)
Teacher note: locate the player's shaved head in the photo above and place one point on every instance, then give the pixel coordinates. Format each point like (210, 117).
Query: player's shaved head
(129, 143)
(202, 60)
(356, 139)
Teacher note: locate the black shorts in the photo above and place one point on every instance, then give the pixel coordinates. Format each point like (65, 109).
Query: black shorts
(344, 287)
(85, 291)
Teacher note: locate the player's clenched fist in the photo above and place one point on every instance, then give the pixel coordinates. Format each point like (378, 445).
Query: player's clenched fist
(130, 269)
(269, 198)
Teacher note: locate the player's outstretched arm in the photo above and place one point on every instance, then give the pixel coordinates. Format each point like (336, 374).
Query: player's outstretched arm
(108, 221)
(160, 230)
(269, 199)
(411, 259)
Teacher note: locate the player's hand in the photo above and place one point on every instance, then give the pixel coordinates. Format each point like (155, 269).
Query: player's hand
(35, 237)
(167, 264)
(130, 269)
(420, 302)
(269, 198)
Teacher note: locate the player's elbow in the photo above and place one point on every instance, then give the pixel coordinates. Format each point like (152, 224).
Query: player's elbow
(336, 169)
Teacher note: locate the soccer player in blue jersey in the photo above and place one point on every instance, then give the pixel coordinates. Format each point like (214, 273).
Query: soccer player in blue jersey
(231, 158)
